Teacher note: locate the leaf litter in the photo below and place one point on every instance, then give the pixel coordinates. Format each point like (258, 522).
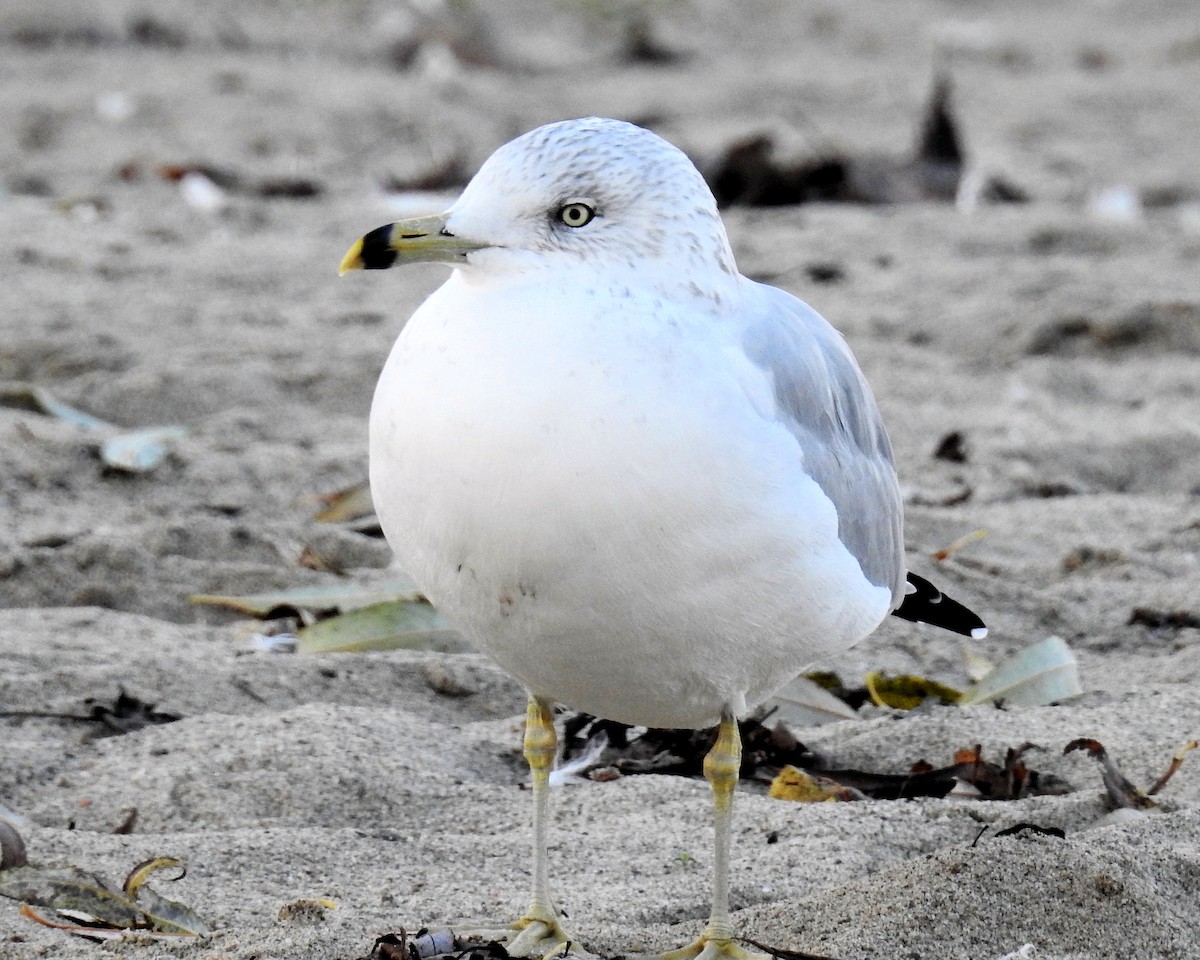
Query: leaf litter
(748, 172)
(345, 616)
(772, 755)
(125, 714)
(1122, 793)
(1043, 673)
(90, 906)
(128, 451)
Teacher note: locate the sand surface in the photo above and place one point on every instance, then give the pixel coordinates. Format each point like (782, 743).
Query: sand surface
(1061, 340)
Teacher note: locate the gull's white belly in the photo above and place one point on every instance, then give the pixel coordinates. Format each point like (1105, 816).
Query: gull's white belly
(608, 512)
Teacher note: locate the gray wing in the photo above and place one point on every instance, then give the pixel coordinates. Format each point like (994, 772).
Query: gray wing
(826, 402)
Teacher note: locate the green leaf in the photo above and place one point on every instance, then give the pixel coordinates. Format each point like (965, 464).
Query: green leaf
(70, 889)
(342, 595)
(1042, 673)
(140, 451)
(165, 916)
(394, 625)
(74, 893)
(26, 396)
(805, 703)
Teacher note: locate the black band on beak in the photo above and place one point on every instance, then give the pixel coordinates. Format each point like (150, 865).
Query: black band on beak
(377, 252)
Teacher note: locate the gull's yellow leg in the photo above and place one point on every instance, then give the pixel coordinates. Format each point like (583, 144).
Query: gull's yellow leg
(538, 933)
(541, 932)
(722, 767)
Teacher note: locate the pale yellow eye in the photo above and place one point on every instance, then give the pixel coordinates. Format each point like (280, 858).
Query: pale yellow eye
(576, 213)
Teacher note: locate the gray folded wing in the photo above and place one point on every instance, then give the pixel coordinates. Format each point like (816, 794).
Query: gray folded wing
(824, 399)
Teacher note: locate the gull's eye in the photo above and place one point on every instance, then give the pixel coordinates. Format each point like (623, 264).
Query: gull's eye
(576, 213)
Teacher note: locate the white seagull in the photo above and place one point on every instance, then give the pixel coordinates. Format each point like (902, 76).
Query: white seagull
(650, 488)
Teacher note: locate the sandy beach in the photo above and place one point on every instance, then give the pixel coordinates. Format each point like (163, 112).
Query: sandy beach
(322, 801)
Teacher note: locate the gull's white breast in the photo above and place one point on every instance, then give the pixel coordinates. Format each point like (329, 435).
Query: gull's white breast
(590, 484)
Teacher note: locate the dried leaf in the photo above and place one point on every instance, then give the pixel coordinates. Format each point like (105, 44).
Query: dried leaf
(127, 713)
(341, 506)
(142, 872)
(1120, 791)
(1164, 619)
(176, 172)
(1011, 781)
(920, 782)
(907, 691)
(127, 825)
(288, 188)
(796, 785)
(79, 928)
(805, 703)
(26, 396)
(311, 559)
(88, 906)
(977, 665)
(140, 451)
(952, 447)
(306, 910)
(1023, 827)
(392, 625)
(1043, 673)
(780, 954)
(631, 750)
(166, 916)
(948, 551)
(1176, 762)
(71, 890)
(340, 596)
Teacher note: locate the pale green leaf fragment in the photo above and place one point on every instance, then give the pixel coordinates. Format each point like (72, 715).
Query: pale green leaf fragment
(90, 931)
(1042, 673)
(169, 916)
(977, 665)
(139, 451)
(803, 703)
(26, 396)
(71, 892)
(342, 595)
(70, 889)
(395, 625)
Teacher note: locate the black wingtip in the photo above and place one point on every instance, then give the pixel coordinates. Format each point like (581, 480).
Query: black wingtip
(925, 603)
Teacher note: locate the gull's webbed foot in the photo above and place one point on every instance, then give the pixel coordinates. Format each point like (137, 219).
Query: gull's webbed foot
(709, 947)
(532, 937)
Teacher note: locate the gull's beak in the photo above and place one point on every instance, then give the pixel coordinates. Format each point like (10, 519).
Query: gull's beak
(408, 241)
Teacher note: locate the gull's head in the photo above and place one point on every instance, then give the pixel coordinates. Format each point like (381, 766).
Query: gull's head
(599, 192)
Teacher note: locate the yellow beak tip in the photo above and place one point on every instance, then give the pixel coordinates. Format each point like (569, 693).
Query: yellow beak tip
(352, 260)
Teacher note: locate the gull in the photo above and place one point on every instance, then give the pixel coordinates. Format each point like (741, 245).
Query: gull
(648, 487)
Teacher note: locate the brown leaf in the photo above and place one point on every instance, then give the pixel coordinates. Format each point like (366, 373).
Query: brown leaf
(1176, 762)
(1032, 828)
(1164, 619)
(1121, 792)
(126, 825)
(349, 503)
(780, 954)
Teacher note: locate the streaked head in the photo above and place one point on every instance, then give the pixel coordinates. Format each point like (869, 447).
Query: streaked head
(590, 190)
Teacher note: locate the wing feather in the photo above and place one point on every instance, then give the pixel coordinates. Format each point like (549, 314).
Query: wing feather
(825, 401)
